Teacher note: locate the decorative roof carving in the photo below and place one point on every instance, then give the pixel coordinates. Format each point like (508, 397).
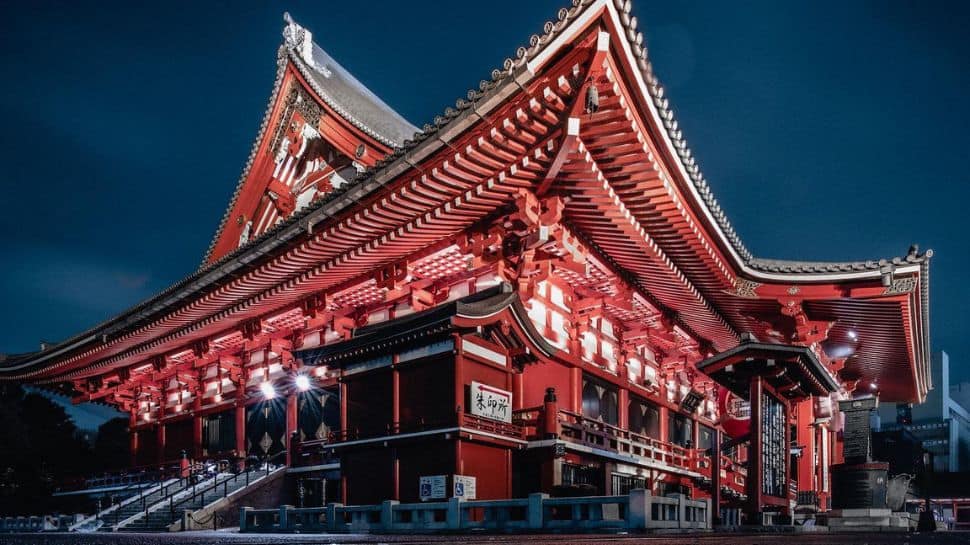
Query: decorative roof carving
(745, 288)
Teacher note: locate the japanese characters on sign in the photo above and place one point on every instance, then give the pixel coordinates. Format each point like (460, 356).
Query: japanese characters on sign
(490, 402)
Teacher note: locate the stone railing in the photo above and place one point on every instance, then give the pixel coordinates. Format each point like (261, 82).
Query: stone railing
(537, 513)
(47, 523)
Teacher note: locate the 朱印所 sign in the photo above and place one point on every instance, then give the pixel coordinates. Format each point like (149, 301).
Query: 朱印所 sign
(490, 402)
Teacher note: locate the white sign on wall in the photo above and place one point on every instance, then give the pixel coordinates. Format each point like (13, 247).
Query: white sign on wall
(433, 487)
(463, 487)
(490, 402)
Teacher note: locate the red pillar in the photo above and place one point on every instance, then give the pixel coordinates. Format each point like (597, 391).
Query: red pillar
(806, 439)
(343, 411)
(133, 438)
(716, 478)
(198, 451)
(623, 411)
(755, 473)
(576, 390)
(664, 424)
(459, 385)
(160, 441)
(241, 434)
(395, 400)
(291, 416)
(518, 391)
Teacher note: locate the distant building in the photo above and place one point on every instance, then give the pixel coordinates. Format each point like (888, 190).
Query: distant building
(941, 422)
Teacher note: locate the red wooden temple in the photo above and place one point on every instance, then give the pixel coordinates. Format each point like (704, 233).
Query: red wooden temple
(537, 290)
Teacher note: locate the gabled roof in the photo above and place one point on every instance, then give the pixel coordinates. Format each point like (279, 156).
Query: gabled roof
(337, 88)
(342, 91)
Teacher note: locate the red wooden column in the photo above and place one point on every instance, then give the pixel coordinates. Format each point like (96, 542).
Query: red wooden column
(241, 434)
(576, 390)
(160, 441)
(459, 401)
(518, 391)
(786, 407)
(623, 411)
(133, 438)
(197, 450)
(806, 439)
(715, 478)
(664, 424)
(343, 409)
(395, 428)
(395, 399)
(291, 417)
(755, 471)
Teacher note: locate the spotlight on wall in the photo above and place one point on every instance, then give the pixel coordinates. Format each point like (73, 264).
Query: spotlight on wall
(267, 388)
(302, 383)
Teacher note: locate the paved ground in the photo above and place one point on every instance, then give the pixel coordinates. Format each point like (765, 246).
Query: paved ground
(228, 538)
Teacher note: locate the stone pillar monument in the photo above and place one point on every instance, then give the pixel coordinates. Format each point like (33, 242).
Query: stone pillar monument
(859, 484)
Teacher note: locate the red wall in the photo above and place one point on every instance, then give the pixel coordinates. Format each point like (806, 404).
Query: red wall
(539, 376)
(489, 465)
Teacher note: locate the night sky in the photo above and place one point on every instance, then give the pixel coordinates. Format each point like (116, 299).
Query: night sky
(829, 131)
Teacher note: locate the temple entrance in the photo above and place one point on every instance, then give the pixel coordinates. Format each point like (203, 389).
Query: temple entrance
(319, 414)
(266, 428)
(218, 433)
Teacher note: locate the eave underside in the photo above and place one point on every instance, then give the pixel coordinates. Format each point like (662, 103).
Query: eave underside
(632, 199)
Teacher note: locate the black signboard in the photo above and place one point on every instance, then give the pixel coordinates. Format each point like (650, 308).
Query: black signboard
(856, 441)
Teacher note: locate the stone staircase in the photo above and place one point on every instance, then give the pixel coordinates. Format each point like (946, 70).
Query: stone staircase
(111, 518)
(169, 510)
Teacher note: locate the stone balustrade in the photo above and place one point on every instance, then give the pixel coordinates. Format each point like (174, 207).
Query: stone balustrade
(637, 511)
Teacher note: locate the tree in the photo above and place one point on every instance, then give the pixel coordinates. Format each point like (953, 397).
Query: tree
(42, 448)
(112, 447)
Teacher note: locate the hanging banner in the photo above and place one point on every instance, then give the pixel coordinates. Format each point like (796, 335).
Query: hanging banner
(490, 402)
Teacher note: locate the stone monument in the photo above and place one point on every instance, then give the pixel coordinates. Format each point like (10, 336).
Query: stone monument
(859, 484)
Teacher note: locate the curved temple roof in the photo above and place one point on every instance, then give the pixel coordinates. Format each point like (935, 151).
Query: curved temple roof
(347, 96)
(342, 91)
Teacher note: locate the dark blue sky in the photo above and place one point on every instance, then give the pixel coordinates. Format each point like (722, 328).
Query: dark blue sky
(829, 131)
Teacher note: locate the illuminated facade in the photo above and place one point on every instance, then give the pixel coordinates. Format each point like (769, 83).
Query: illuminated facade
(537, 290)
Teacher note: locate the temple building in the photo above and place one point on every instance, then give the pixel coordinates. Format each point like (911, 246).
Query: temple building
(536, 292)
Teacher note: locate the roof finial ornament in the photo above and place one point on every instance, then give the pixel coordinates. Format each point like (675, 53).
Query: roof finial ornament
(298, 38)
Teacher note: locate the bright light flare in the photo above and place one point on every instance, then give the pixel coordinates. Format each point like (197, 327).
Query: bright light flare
(302, 383)
(267, 388)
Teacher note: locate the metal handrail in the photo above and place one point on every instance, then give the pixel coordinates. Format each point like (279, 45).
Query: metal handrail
(264, 462)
